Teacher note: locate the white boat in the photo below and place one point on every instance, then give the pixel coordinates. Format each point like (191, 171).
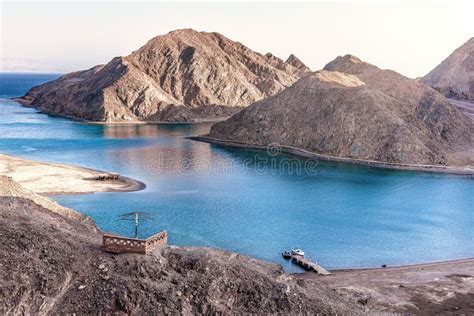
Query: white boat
(297, 252)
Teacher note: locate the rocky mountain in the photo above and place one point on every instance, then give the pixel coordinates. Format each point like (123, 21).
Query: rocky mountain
(298, 64)
(181, 76)
(454, 77)
(356, 110)
(51, 262)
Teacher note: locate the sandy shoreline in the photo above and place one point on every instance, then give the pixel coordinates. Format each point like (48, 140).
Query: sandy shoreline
(465, 171)
(48, 178)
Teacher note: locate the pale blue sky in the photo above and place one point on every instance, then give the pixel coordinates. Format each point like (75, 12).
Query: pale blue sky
(411, 38)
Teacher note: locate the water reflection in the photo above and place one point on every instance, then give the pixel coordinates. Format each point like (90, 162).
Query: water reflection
(155, 130)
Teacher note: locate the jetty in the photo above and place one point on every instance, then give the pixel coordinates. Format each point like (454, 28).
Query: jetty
(309, 265)
(303, 262)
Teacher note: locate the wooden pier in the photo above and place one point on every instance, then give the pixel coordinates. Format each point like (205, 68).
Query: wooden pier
(309, 265)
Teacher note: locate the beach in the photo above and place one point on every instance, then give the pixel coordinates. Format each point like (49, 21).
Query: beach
(48, 178)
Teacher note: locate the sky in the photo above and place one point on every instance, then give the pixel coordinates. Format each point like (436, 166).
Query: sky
(407, 36)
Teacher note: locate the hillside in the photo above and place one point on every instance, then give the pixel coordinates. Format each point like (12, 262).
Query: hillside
(51, 263)
(454, 77)
(184, 75)
(353, 109)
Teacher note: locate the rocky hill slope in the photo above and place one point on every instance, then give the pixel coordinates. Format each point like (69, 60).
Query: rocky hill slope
(356, 110)
(181, 76)
(454, 77)
(51, 263)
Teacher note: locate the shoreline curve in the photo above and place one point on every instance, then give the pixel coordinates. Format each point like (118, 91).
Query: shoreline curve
(63, 179)
(462, 171)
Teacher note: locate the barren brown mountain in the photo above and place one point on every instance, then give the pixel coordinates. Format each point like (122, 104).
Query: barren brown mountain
(454, 77)
(356, 110)
(181, 76)
(298, 64)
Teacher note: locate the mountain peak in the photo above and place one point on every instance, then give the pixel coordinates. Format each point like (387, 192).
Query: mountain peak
(187, 36)
(344, 60)
(351, 58)
(179, 76)
(338, 77)
(350, 64)
(292, 58)
(297, 63)
(189, 32)
(184, 31)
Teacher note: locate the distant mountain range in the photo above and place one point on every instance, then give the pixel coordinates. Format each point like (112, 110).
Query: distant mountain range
(184, 75)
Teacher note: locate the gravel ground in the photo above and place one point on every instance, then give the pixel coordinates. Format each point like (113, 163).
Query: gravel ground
(425, 289)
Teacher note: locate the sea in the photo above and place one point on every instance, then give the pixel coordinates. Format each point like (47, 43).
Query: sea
(253, 202)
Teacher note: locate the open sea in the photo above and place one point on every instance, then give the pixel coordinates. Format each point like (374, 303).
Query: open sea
(255, 203)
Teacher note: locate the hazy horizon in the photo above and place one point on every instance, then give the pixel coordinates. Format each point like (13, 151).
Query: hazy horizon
(410, 38)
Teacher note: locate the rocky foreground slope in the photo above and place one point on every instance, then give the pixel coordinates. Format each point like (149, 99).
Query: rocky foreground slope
(184, 75)
(51, 262)
(454, 77)
(353, 109)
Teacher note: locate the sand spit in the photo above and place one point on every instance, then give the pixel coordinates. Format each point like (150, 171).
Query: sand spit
(48, 178)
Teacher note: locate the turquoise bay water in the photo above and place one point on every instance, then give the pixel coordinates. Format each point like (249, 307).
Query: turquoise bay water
(248, 201)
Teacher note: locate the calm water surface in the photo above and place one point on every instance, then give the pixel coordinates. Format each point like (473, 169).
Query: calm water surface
(249, 201)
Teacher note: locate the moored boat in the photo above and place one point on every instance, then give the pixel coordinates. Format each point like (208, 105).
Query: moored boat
(297, 252)
(286, 254)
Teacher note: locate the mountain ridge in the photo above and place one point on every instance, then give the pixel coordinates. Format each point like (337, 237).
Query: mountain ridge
(180, 76)
(355, 110)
